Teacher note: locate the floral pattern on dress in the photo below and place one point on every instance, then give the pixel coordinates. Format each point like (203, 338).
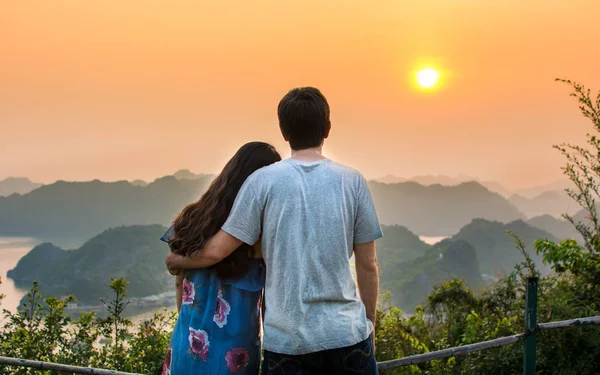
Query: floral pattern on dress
(222, 310)
(188, 292)
(237, 359)
(199, 343)
(166, 370)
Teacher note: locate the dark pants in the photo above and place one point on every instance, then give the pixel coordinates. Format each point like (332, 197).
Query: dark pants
(355, 359)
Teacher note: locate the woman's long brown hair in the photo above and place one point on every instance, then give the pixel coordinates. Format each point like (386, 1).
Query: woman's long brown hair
(201, 220)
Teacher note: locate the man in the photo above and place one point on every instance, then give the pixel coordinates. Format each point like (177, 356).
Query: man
(310, 214)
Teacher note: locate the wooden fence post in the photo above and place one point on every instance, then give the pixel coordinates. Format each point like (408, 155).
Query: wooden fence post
(529, 343)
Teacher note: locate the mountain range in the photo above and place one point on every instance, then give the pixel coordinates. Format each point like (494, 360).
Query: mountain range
(78, 210)
(529, 192)
(431, 179)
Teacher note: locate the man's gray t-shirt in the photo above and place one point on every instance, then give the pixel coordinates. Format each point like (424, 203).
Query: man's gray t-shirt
(308, 217)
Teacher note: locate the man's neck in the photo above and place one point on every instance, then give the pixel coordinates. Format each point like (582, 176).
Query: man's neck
(308, 154)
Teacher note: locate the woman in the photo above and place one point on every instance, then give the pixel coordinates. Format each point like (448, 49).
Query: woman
(219, 307)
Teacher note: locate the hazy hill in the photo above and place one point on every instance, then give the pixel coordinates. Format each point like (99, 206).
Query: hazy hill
(428, 180)
(438, 210)
(410, 281)
(139, 183)
(553, 203)
(79, 210)
(17, 185)
(134, 252)
(559, 228)
(185, 174)
(531, 192)
(496, 250)
(398, 245)
(582, 215)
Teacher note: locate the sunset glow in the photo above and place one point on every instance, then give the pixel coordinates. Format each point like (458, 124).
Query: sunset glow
(139, 89)
(428, 78)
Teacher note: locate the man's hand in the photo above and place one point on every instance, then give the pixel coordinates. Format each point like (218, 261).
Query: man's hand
(373, 337)
(172, 262)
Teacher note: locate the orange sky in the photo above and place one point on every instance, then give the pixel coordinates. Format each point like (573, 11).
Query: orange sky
(130, 89)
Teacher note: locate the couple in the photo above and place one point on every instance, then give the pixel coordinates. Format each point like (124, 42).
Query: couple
(288, 227)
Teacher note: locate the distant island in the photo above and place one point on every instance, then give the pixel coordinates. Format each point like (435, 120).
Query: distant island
(134, 252)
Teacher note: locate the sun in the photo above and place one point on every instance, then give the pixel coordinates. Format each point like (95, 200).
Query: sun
(428, 78)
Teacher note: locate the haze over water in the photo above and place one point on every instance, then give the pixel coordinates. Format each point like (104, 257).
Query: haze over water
(11, 250)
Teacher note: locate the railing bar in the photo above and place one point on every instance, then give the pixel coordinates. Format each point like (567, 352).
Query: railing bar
(58, 367)
(572, 322)
(450, 352)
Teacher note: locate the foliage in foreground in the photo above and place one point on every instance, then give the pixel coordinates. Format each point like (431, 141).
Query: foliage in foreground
(42, 330)
(453, 316)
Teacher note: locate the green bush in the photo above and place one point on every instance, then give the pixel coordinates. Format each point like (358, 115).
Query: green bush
(43, 331)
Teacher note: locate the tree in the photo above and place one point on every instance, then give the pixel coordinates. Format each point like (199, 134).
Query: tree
(582, 261)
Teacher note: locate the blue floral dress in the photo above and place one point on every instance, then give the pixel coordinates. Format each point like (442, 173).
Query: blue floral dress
(217, 331)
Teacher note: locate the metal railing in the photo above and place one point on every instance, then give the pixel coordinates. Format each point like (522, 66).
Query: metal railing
(529, 338)
(465, 349)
